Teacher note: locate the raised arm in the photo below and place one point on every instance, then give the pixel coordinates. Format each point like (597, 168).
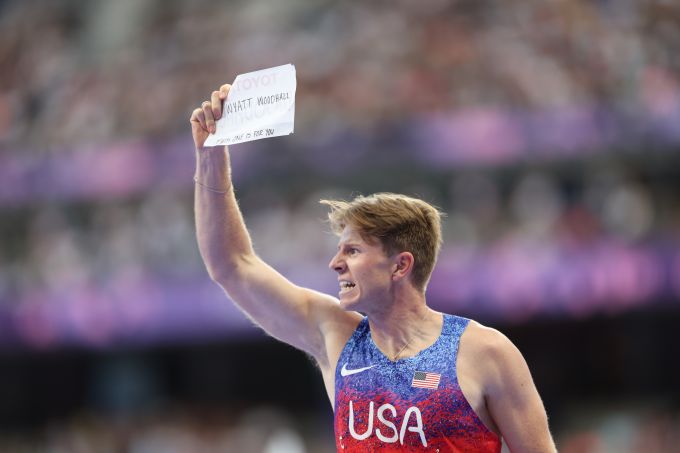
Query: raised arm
(298, 316)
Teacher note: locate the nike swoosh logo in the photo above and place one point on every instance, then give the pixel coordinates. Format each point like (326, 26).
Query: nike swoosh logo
(345, 372)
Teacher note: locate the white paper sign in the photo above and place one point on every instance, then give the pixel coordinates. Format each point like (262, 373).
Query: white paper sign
(260, 104)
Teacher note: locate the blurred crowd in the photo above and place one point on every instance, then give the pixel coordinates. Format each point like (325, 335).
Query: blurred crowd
(527, 243)
(621, 428)
(178, 430)
(624, 429)
(106, 242)
(76, 72)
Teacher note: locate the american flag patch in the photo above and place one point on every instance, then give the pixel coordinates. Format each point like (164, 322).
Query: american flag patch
(425, 380)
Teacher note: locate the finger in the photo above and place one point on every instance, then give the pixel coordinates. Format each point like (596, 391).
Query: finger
(197, 116)
(224, 91)
(216, 104)
(209, 119)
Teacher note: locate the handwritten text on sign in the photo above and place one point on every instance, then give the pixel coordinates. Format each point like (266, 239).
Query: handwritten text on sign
(260, 104)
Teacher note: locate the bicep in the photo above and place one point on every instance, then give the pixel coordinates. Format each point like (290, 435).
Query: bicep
(514, 402)
(285, 311)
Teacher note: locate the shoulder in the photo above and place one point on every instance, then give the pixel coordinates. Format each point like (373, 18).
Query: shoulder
(494, 355)
(336, 326)
(486, 341)
(330, 316)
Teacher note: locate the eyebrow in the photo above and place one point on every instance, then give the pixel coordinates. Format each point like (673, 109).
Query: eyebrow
(349, 244)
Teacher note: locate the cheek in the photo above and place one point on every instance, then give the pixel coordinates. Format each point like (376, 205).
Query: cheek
(377, 277)
(375, 272)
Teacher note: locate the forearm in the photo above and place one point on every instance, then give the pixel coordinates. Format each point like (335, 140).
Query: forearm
(222, 237)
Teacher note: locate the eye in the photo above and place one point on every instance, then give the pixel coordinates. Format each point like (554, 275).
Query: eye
(352, 251)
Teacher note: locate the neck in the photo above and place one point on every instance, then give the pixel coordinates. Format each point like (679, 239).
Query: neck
(405, 326)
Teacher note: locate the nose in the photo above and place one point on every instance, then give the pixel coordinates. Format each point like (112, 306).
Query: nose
(336, 263)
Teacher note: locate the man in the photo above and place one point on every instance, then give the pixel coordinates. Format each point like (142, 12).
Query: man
(403, 378)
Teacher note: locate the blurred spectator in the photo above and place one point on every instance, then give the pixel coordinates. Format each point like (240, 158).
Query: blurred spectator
(440, 92)
(104, 71)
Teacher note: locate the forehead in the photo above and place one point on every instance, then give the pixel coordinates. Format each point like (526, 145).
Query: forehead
(351, 235)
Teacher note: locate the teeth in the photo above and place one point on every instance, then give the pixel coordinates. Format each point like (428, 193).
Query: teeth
(345, 285)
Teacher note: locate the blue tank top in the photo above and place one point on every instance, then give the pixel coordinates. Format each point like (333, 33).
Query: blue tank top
(413, 404)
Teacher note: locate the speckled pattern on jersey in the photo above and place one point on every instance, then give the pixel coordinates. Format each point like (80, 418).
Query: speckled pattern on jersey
(378, 409)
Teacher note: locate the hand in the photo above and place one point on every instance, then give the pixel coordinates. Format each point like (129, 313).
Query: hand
(203, 118)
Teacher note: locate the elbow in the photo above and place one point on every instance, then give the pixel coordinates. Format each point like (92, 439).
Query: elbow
(228, 273)
(217, 276)
(222, 276)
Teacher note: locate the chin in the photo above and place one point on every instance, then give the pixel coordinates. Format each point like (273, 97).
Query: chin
(349, 304)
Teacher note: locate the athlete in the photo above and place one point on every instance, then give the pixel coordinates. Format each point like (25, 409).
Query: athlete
(401, 378)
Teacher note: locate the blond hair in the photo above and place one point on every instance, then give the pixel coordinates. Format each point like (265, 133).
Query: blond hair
(398, 222)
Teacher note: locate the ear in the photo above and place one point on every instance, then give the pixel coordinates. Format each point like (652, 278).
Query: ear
(402, 266)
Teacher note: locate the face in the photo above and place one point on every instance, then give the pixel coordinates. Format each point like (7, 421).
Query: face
(364, 272)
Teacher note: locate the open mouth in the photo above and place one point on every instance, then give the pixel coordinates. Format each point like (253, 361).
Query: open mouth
(346, 286)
